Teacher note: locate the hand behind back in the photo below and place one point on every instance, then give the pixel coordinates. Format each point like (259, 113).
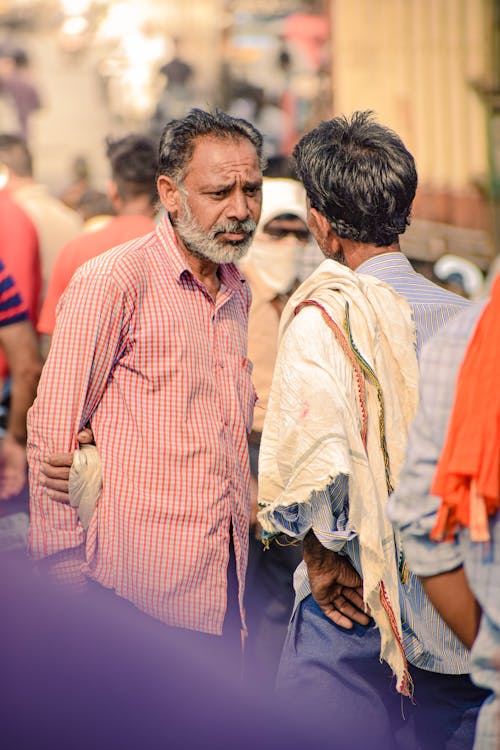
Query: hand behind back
(335, 584)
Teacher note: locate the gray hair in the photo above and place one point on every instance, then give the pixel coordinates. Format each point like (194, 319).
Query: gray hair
(178, 139)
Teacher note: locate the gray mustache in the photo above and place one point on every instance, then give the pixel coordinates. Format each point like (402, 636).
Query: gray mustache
(247, 225)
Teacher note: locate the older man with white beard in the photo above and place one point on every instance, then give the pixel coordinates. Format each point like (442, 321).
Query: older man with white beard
(150, 351)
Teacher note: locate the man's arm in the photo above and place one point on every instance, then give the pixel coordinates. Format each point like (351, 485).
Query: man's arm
(412, 508)
(45, 341)
(19, 344)
(452, 597)
(85, 348)
(60, 277)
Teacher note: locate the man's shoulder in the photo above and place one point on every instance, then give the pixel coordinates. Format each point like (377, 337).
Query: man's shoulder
(115, 232)
(103, 248)
(306, 322)
(396, 270)
(444, 296)
(127, 266)
(39, 202)
(15, 224)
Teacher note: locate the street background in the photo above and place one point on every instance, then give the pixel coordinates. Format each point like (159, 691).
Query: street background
(428, 68)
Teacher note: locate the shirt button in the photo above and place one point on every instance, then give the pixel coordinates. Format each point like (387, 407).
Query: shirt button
(221, 365)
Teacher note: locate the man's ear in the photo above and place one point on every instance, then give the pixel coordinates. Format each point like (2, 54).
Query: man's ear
(319, 226)
(113, 194)
(169, 195)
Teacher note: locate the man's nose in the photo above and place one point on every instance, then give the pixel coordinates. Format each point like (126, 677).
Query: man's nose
(239, 208)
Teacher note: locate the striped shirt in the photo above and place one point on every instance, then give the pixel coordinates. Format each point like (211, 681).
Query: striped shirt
(12, 307)
(428, 642)
(143, 353)
(413, 510)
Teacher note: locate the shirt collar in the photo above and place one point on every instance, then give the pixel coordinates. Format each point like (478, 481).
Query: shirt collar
(386, 263)
(229, 274)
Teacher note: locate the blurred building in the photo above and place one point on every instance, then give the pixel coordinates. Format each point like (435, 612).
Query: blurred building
(97, 64)
(431, 70)
(428, 68)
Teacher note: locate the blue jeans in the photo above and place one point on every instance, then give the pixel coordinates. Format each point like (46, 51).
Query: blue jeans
(336, 680)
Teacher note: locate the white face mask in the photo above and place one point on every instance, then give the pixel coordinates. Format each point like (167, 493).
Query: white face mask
(277, 263)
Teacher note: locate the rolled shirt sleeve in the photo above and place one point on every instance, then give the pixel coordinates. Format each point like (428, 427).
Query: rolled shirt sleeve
(326, 514)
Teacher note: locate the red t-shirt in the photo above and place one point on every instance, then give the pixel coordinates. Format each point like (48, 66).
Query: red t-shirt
(19, 252)
(77, 251)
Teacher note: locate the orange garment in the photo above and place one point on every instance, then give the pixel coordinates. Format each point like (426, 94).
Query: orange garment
(77, 251)
(468, 471)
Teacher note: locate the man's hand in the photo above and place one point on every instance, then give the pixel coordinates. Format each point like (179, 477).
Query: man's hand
(55, 471)
(335, 584)
(12, 467)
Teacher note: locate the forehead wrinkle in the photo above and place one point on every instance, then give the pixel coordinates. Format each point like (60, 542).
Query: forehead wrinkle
(216, 186)
(241, 180)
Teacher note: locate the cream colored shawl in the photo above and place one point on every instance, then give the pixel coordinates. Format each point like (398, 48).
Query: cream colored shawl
(324, 397)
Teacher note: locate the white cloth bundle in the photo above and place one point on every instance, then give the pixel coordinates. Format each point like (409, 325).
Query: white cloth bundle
(85, 482)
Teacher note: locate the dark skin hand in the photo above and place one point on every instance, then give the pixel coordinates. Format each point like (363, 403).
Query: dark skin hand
(55, 471)
(335, 584)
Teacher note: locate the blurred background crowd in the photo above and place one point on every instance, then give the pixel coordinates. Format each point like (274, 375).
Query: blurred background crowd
(73, 72)
(77, 76)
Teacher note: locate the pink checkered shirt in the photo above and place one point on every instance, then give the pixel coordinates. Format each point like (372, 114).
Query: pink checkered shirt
(143, 353)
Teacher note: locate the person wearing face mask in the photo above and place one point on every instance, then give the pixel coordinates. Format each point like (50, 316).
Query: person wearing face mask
(271, 268)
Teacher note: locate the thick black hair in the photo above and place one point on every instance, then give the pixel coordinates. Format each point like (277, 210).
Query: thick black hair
(15, 154)
(360, 176)
(133, 160)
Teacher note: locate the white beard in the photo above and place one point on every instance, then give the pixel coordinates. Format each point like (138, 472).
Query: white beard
(204, 244)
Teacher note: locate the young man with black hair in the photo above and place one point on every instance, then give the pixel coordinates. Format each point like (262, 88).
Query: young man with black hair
(132, 191)
(343, 397)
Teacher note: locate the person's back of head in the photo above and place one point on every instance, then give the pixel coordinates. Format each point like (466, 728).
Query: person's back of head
(15, 155)
(179, 137)
(133, 161)
(360, 176)
(93, 203)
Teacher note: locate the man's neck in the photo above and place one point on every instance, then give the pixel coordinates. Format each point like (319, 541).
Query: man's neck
(356, 253)
(141, 206)
(203, 269)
